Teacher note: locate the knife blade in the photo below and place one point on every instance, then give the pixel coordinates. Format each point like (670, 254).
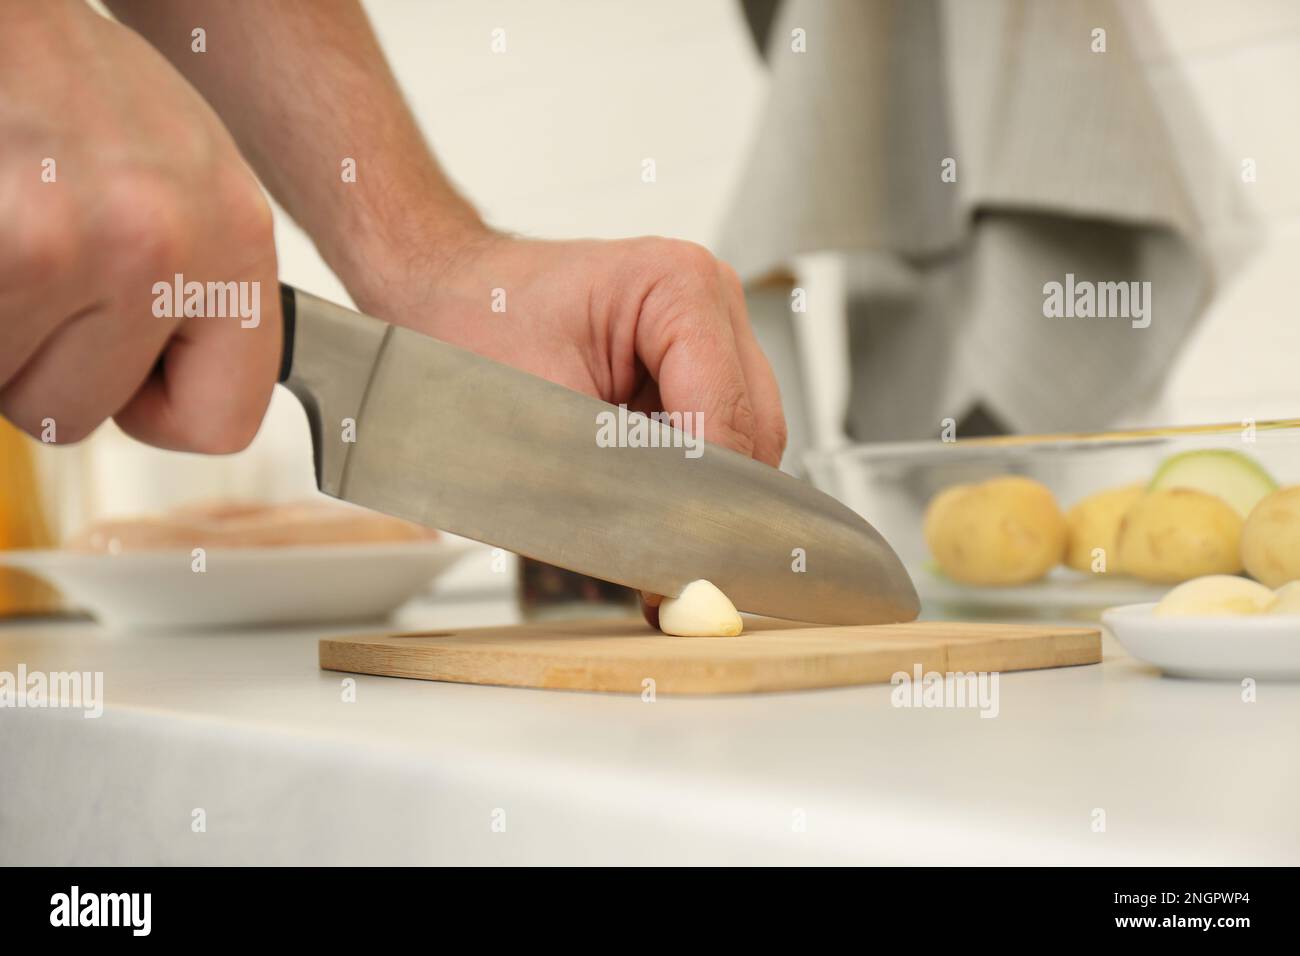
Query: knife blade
(414, 427)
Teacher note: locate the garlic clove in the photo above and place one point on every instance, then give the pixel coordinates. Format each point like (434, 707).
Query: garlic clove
(701, 610)
(1216, 595)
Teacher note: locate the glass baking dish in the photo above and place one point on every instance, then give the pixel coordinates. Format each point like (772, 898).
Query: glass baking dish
(891, 484)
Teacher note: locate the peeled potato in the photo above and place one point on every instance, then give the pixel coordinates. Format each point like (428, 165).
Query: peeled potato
(1093, 524)
(1179, 534)
(1000, 532)
(701, 610)
(1270, 540)
(1288, 599)
(1217, 595)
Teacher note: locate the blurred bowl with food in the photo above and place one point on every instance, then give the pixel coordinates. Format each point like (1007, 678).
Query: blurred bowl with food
(236, 563)
(1067, 525)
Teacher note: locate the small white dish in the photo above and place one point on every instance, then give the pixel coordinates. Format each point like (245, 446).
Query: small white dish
(138, 590)
(1225, 648)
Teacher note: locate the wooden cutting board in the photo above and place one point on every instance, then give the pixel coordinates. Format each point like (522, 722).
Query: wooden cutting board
(770, 656)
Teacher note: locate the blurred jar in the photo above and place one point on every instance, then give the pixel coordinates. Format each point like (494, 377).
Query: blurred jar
(547, 592)
(22, 525)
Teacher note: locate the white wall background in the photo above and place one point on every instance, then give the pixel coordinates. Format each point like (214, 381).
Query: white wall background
(1241, 62)
(548, 139)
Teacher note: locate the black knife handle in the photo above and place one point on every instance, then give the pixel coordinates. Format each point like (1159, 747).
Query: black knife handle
(328, 355)
(288, 316)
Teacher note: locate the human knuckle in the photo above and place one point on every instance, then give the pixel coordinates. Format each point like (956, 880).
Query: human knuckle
(691, 260)
(743, 418)
(730, 279)
(45, 255)
(146, 224)
(739, 420)
(45, 246)
(248, 218)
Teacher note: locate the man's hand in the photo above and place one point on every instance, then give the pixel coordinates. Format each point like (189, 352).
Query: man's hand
(651, 322)
(657, 324)
(116, 175)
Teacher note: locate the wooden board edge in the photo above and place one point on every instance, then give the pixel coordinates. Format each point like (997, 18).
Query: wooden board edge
(688, 678)
(1071, 647)
(681, 677)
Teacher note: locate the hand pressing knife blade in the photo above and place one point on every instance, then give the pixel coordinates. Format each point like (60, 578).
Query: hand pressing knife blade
(455, 441)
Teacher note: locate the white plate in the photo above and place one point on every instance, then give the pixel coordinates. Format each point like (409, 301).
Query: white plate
(1061, 591)
(1230, 648)
(241, 586)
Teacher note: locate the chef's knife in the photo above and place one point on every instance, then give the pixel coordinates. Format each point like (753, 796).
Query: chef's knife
(408, 425)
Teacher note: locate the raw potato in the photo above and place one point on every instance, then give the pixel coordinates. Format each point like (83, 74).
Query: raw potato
(1218, 595)
(1094, 523)
(1001, 532)
(1288, 599)
(1270, 541)
(1179, 534)
(701, 610)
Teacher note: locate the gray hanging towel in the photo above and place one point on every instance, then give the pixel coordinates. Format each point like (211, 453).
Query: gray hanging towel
(964, 154)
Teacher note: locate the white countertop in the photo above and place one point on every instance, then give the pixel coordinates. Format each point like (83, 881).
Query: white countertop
(247, 728)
